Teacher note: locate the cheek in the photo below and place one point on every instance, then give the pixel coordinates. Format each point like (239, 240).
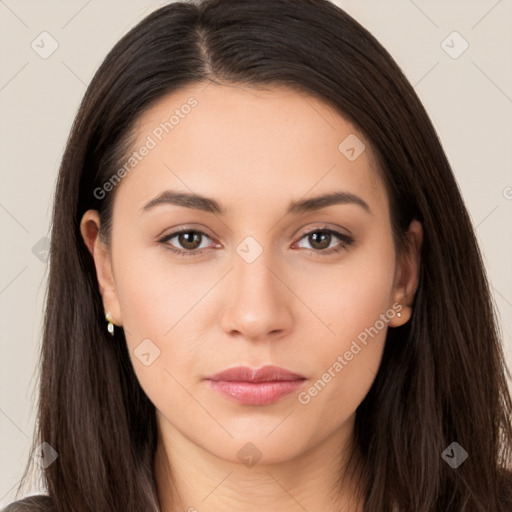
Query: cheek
(347, 355)
(352, 295)
(157, 296)
(157, 334)
(160, 302)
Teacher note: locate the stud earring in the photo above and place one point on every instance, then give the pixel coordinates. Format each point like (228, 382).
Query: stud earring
(110, 326)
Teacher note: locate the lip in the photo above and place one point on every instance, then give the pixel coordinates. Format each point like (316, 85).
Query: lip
(256, 386)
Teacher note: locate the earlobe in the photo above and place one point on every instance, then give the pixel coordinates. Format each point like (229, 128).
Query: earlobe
(407, 275)
(89, 228)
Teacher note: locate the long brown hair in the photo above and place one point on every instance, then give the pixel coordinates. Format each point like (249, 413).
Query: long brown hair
(443, 377)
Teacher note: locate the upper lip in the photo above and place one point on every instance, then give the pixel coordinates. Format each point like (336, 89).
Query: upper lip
(267, 373)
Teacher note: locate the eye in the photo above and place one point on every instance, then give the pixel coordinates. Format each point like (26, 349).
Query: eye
(189, 239)
(320, 239)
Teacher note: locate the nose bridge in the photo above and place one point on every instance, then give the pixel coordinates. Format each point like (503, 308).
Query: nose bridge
(258, 304)
(254, 277)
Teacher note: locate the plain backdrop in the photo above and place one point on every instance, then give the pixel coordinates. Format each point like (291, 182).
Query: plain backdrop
(463, 79)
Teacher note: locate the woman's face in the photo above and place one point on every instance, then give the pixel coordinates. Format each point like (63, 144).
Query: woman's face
(254, 281)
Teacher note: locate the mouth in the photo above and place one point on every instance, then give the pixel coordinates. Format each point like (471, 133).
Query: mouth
(261, 386)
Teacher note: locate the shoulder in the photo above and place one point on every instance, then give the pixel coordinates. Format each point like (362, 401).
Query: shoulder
(36, 503)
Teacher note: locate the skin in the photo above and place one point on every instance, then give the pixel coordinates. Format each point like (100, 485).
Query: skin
(254, 151)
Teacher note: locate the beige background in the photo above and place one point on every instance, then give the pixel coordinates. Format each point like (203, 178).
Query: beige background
(469, 99)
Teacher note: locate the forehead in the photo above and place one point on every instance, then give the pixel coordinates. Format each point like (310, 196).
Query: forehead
(239, 142)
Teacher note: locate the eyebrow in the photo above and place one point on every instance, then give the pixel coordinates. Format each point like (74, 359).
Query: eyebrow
(206, 204)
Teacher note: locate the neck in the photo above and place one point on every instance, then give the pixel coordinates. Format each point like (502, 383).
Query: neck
(190, 479)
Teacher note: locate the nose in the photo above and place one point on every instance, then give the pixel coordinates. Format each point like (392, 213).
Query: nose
(259, 304)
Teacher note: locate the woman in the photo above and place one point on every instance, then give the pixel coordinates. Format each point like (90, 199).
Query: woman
(197, 355)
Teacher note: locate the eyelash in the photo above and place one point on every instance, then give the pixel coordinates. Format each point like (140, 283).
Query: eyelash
(346, 239)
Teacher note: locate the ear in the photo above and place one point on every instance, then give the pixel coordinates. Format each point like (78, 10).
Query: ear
(89, 228)
(407, 274)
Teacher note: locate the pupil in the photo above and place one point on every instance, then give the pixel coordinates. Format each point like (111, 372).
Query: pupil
(189, 244)
(323, 235)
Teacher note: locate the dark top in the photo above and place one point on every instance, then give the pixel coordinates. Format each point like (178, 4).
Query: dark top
(43, 503)
(36, 503)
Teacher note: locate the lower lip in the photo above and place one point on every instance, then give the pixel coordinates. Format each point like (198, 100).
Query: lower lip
(256, 393)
